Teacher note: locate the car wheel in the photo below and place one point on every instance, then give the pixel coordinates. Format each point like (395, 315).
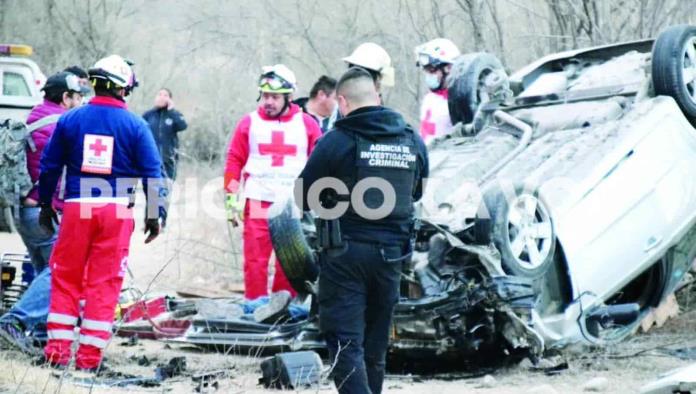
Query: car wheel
(674, 66)
(294, 255)
(470, 82)
(523, 232)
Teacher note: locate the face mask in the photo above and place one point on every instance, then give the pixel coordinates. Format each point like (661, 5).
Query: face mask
(432, 81)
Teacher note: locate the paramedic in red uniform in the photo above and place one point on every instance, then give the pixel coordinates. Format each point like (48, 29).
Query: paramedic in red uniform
(269, 148)
(106, 149)
(436, 58)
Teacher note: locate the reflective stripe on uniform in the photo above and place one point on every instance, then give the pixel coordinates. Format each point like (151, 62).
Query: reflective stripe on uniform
(61, 334)
(93, 341)
(89, 324)
(61, 318)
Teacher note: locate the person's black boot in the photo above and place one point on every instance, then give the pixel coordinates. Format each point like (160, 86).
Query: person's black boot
(12, 334)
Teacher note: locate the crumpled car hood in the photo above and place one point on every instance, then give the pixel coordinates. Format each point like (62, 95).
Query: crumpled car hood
(456, 166)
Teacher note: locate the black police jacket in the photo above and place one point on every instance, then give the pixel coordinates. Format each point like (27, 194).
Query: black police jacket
(370, 142)
(165, 125)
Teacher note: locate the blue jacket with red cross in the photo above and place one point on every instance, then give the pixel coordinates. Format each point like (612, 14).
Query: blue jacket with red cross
(105, 149)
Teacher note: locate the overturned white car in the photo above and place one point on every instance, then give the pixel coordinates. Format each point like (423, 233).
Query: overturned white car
(577, 174)
(561, 209)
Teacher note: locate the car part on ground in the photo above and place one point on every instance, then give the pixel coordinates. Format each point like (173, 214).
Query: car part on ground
(295, 370)
(291, 246)
(682, 380)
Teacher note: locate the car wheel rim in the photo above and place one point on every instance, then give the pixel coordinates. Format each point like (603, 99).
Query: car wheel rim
(689, 68)
(530, 233)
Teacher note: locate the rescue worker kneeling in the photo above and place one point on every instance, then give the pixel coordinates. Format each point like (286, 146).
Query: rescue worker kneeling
(381, 162)
(106, 149)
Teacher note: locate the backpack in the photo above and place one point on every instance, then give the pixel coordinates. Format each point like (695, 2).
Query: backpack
(15, 181)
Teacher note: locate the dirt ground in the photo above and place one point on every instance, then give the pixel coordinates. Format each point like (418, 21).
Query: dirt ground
(200, 253)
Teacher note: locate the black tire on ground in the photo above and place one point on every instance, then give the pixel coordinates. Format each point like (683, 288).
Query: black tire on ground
(463, 84)
(673, 56)
(515, 235)
(294, 255)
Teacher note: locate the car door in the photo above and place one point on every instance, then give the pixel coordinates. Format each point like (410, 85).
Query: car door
(634, 207)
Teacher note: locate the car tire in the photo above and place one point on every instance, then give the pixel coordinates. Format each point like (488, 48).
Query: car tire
(674, 67)
(464, 85)
(294, 255)
(526, 240)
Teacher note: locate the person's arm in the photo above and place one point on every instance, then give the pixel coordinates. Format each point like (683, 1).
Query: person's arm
(53, 159)
(179, 121)
(313, 132)
(317, 167)
(147, 157)
(423, 168)
(149, 165)
(237, 155)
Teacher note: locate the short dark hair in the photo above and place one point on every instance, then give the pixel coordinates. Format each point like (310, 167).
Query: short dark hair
(354, 72)
(77, 71)
(374, 74)
(103, 87)
(168, 91)
(325, 84)
(56, 96)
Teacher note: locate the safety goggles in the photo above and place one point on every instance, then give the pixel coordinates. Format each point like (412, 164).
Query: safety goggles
(273, 82)
(426, 61)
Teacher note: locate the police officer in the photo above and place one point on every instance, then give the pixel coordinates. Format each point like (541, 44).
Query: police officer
(380, 163)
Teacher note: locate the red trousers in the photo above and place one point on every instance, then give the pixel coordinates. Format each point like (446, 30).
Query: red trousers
(257, 252)
(89, 261)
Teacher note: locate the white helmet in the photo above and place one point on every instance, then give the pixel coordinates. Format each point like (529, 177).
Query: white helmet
(277, 79)
(436, 53)
(115, 70)
(373, 57)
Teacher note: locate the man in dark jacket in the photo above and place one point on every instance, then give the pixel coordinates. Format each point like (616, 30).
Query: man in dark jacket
(380, 163)
(166, 123)
(321, 102)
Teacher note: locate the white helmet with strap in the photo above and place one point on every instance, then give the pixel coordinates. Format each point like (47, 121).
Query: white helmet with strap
(113, 69)
(373, 57)
(277, 79)
(437, 52)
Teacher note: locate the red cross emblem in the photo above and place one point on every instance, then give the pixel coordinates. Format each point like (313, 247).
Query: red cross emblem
(277, 149)
(427, 127)
(98, 148)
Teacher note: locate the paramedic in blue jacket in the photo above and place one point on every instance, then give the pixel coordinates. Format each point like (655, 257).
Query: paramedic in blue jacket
(380, 163)
(106, 149)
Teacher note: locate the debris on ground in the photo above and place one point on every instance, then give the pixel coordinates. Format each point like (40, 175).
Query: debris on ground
(596, 385)
(688, 353)
(488, 382)
(682, 380)
(208, 380)
(668, 309)
(543, 389)
(175, 367)
(293, 370)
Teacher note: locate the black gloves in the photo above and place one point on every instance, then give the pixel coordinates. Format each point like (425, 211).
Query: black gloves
(153, 228)
(48, 218)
